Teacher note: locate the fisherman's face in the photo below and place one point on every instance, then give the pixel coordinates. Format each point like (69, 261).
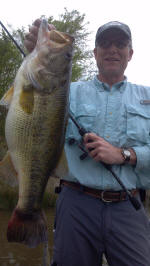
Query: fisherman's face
(112, 55)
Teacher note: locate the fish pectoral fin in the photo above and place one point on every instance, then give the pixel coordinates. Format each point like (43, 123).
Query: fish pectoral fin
(62, 167)
(6, 99)
(8, 173)
(26, 101)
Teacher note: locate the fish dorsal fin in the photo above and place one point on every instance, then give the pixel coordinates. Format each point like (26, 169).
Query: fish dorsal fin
(8, 174)
(6, 99)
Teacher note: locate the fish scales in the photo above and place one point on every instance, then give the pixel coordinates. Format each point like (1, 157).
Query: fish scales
(35, 129)
(38, 149)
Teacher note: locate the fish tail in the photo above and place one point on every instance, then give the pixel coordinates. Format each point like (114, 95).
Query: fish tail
(28, 229)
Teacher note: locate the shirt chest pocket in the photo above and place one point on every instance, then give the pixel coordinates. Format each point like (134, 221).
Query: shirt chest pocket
(138, 124)
(85, 116)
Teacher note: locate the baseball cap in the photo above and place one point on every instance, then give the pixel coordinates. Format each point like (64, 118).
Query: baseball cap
(113, 26)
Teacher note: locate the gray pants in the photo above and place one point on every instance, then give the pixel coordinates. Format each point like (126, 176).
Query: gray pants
(87, 228)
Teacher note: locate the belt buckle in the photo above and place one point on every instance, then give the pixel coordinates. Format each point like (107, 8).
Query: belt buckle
(102, 197)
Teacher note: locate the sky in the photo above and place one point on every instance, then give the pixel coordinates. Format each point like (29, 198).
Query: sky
(135, 13)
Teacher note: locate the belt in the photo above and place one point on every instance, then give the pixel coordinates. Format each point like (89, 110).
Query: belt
(104, 195)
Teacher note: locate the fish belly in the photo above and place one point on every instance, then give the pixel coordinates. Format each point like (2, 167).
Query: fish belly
(35, 142)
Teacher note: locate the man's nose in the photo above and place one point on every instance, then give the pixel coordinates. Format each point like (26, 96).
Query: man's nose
(113, 48)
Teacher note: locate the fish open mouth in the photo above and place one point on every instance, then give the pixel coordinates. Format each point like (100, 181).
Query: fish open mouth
(60, 38)
(55, 38)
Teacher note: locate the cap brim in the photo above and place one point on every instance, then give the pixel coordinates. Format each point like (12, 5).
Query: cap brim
(111, 31)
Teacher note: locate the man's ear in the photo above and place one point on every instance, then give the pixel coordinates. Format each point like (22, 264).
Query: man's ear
(130, 54)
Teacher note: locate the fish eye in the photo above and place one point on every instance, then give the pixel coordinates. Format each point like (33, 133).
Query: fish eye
(68, 56)
(63, 82)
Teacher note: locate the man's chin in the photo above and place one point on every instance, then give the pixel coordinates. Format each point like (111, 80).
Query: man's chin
(112, 71)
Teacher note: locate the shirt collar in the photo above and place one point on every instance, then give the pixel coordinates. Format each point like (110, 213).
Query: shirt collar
(104, 86)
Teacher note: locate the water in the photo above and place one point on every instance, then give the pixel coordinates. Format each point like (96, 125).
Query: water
(17, 254)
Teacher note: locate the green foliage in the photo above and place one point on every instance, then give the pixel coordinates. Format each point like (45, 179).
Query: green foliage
(70, 22)
(10, 60)
(9, 63)
(73, 23)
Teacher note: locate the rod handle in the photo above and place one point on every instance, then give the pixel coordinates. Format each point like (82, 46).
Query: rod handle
(136, 204)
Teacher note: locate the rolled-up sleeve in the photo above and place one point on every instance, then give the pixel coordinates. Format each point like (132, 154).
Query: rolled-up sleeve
(142, 167)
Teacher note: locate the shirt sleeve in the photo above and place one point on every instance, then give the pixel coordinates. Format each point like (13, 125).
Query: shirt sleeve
(142, 167)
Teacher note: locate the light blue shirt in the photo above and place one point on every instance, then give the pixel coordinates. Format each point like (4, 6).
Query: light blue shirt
(120, 115)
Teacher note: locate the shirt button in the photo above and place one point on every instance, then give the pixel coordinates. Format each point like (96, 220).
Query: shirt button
(107, 187)
(110, 113)
(107, 137)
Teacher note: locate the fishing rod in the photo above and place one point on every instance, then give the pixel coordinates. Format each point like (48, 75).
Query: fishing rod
(136, 204)
(11, 37)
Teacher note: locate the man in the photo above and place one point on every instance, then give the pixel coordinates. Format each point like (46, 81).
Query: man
(93, 214)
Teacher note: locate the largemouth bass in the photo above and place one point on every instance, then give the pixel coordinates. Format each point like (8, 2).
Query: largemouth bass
(35, 129)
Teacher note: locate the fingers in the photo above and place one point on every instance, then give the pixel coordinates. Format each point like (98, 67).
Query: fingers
(101, 150)
(37, 22)
(29, 45)
(95, 154)
(94, 150)
(51, 27)
(92, 143)
(89, 137)
(33, 31)
(97, 147)
(31, 37)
